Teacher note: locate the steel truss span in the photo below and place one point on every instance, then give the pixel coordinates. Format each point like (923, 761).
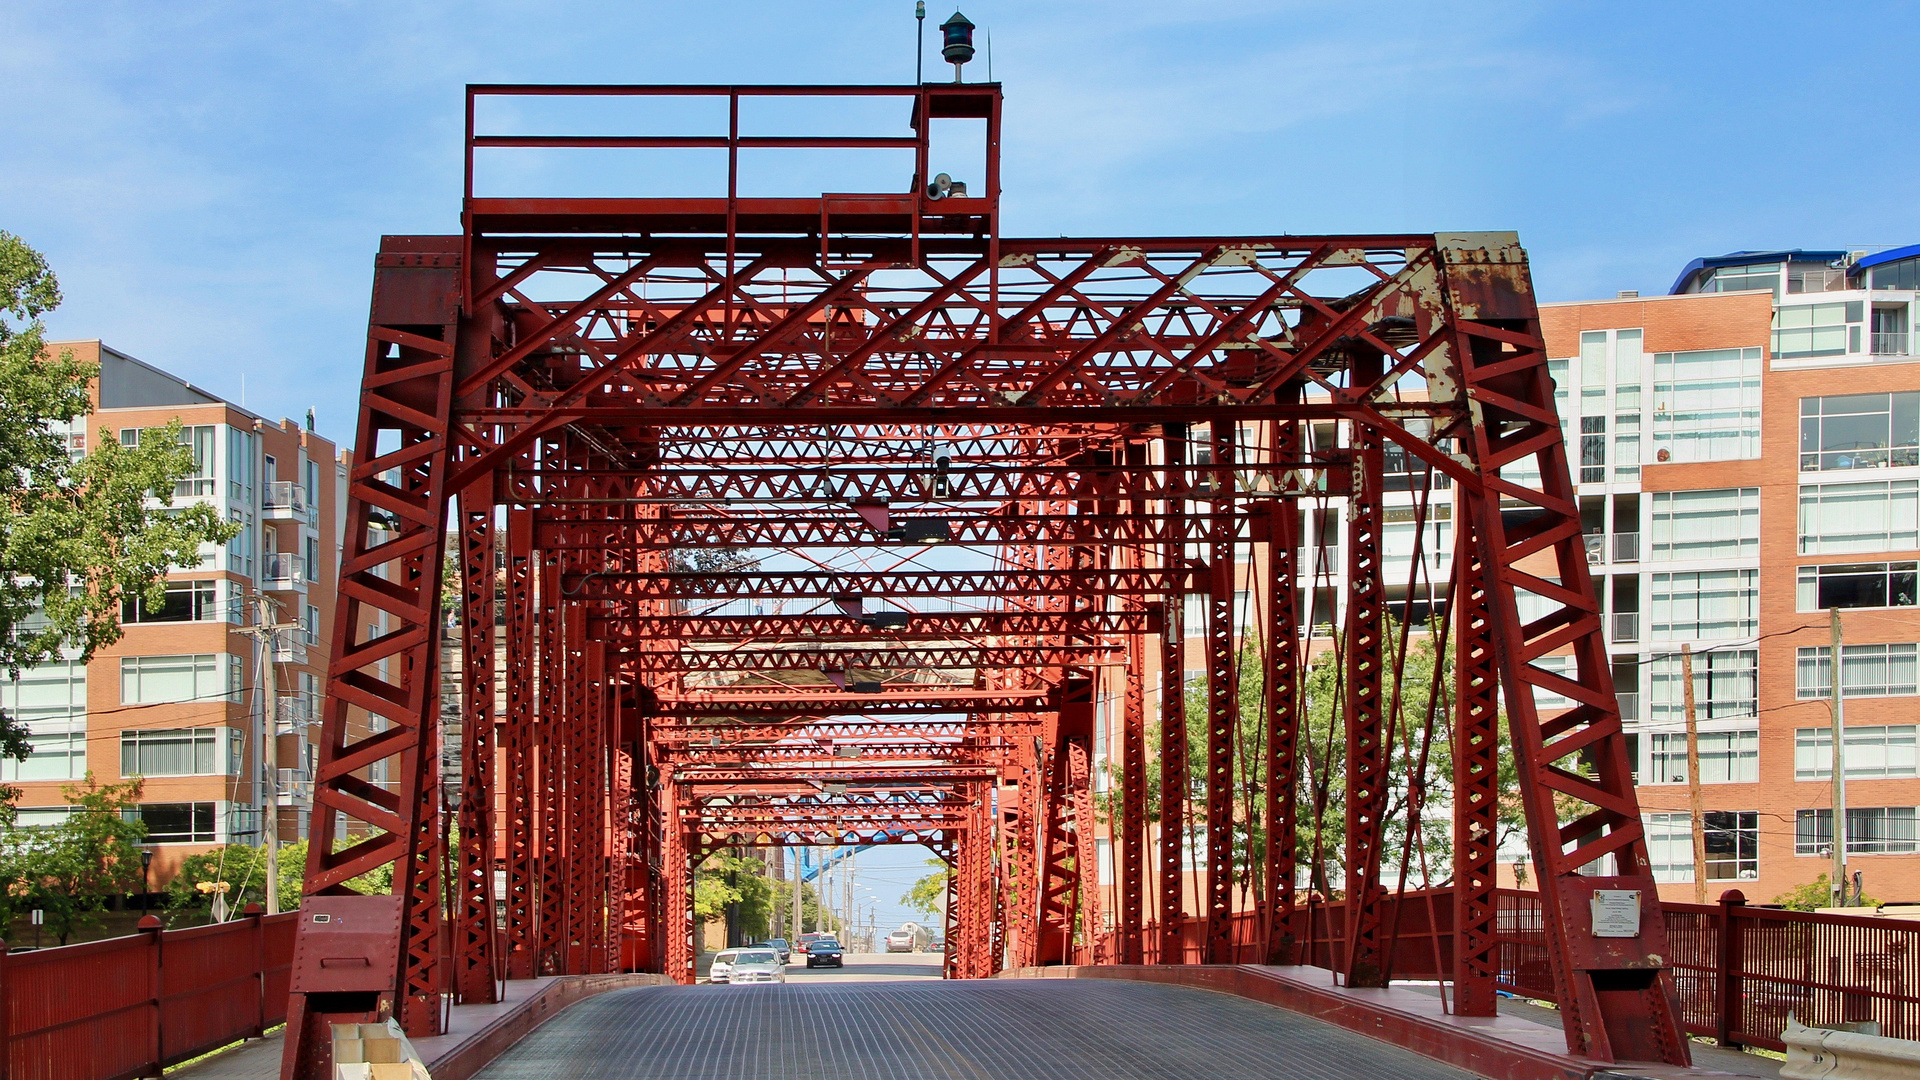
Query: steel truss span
(845, 519)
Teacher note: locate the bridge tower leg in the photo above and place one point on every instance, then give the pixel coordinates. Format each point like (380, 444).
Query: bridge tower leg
(1281, 690)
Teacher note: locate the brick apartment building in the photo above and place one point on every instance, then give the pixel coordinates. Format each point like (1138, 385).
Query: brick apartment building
(178, 699)
(1748, 450)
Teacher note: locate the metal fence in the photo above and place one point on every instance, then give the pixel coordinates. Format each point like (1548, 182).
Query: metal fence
(129, 1006)
(1738, 971)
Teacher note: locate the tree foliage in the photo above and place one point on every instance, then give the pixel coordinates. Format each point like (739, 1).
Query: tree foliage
(731, 878)
(76, 536)
(929, 894)
(244, 870)
(1816, 894)
(69, 870)
(1418, 819)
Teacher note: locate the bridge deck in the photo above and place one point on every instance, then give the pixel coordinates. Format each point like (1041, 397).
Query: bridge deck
(989, 1030)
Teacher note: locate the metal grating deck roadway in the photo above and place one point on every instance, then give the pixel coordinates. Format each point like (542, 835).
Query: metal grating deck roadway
(1052, 1029)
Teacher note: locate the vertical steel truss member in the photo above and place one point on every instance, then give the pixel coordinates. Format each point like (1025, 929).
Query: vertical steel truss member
(1223, 705)
(1282, 698)
(384, 648)
(1617, 990)
(641, 380)
(475, 965)
(1365, 649)
(523, 849)
(1085, 848)
(1476, 794)
(1131, 844)
(1173, 710)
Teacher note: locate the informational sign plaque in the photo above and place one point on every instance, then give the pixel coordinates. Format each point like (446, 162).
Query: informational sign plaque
(1616, 913)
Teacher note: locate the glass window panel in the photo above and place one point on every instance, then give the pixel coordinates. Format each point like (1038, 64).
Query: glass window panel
(1706, 405)
(1707, 604)
(1873, 752)
(1719, 523)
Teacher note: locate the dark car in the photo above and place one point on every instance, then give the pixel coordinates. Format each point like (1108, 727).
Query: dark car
(825, 953)
(778, 945)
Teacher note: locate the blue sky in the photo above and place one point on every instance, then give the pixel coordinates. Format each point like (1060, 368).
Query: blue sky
(211, 179)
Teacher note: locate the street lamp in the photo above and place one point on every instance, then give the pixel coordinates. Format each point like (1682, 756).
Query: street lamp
(146, 861)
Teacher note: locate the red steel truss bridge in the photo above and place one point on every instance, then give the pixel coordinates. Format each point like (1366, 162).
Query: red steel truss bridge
(847, 519)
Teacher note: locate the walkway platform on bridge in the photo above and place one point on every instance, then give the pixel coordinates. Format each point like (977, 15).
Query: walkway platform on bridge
(1524, 1042)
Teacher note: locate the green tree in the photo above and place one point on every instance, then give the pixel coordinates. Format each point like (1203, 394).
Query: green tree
(1814, 895)
(244, 869)
(76, 536)
(929, 894)
(69, 870)
(731, 878)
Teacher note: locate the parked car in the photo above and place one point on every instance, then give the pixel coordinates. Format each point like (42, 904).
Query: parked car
(807, 939)
(825, 953)
(756, 966)
(901, 941)
(779, 945)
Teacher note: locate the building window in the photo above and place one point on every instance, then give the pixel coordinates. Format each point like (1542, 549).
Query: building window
(171, 752)
(1802, 330)
(1900, 274)
(1670, 846)
(1859, 431)
(1871, 830)
(1719, 523)
(1733, 845)
(1857, 585)
(200, 437)
(1866, 671)
(153, 680)
(186, 601)
(240, 469)
(1843, 519)
(176, 823)
(51, 700)
(1725, 686)
(1593, 449)
(240, 548)
(1743, 278)
(310, 625)
(1707, 604)
(1726, 757)
(1706, 405)
(1873, 753)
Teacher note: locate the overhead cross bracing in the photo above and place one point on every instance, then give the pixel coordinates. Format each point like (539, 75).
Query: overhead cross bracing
(1077, 553)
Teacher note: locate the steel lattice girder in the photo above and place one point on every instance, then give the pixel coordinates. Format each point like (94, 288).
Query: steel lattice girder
(613, 387)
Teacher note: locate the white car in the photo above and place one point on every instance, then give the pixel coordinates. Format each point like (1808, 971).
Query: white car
(737, 966)
(901, 941)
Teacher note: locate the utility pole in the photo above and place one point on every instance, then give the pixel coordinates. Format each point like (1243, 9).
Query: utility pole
(1696, 801)
(264, 633)
(1839, 874)
(799, 922)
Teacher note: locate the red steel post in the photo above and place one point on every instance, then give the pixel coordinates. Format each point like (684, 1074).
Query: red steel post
(1223, 704)
(1281, 690)
(522, 767)
(1173, 712)
(1363, 652)
(1476, 787)
(474, 961)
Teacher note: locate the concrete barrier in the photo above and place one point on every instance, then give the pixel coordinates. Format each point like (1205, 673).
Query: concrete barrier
(1826, 1054)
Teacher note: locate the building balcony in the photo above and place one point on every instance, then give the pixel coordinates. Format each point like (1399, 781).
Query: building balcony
(296, 788)
(294, 712)
(1624, 548)
(286, 573)
(287, 501)
(1889, 344)
(290, 647)
(1626, 627)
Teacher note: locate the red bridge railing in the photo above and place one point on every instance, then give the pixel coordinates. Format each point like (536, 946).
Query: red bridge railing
(130, 1006)
(1738, 971)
